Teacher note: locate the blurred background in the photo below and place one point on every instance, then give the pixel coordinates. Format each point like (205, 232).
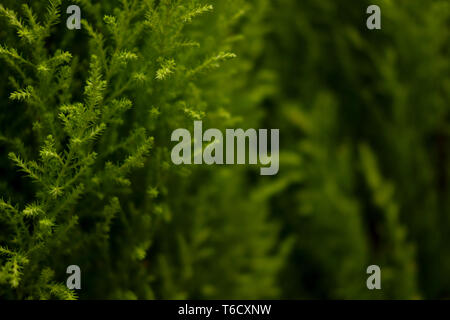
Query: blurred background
(364, 119)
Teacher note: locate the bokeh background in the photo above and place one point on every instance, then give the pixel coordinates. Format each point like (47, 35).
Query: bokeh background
(364, 119)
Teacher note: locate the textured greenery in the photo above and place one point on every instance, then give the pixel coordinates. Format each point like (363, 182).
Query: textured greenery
(86, 176)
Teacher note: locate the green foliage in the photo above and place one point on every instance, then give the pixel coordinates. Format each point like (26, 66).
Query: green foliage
(365, 177)
(86, 175)
(95, 121)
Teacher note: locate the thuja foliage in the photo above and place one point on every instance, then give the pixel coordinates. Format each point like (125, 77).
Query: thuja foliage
(365, 146)
(87, 179)
(86, 176)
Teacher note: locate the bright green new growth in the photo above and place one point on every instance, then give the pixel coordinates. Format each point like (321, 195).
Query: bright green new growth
(102, 187)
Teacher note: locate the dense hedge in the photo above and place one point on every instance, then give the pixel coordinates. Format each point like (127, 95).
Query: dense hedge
(87, 179)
